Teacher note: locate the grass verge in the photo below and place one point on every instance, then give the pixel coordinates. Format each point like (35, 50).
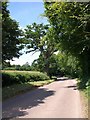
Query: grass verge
(85, 97)
(84, 102)
(16, 89)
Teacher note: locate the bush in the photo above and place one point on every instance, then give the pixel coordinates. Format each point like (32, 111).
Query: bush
(84, 83)
(19, 77)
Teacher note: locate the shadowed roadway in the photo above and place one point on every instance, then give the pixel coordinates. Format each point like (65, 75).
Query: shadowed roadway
(60, 99)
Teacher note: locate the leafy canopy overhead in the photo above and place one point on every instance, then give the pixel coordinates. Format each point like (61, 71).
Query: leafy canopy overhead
(72, 25)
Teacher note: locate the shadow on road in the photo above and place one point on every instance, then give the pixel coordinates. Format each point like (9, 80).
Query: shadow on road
(16, 107)
(74, 87)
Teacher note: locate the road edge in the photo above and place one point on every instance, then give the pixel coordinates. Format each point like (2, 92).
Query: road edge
(84, 103)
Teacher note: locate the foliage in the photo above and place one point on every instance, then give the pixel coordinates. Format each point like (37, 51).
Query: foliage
(24, 67)
(35, 65)
(19, 77)
(71, 21)
(68, 33)
(53, 66)
(69, 65)
(41, 37)
(86, 86)
(59, 64)
(10, 35)
(33, 37)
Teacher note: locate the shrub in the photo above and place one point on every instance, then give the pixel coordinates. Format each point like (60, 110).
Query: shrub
(19, 77)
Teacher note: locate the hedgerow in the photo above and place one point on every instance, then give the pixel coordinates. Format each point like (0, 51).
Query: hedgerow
(19, 77)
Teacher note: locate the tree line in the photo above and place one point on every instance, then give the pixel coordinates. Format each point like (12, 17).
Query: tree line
(64, 43)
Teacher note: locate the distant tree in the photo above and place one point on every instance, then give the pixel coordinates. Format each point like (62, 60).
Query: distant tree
(11, 44)
(25, 66)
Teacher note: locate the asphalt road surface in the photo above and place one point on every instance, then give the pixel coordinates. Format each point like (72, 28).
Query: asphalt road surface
(60, 99)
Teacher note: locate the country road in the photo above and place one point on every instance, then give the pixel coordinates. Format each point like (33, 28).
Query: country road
(60, 99)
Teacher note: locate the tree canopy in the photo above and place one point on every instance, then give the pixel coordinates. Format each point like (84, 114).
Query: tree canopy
(67, 33)
(71, 21)
(10, 35)
(41, 38)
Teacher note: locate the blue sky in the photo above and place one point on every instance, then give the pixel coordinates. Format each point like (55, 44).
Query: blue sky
(26, 13)
(25, 0)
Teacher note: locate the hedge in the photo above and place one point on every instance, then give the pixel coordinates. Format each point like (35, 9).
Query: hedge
(19, 77)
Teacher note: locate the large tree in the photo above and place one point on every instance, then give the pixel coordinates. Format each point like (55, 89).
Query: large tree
(41, 38)
(71, 22)
(10, 35)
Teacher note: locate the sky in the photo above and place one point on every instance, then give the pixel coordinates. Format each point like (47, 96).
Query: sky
(26, 13)
(25, 0)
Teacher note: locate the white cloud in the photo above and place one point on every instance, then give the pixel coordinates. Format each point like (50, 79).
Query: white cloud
(25, 58)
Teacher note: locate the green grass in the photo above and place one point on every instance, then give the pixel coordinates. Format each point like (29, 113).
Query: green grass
(16, 89)
(40, 83)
